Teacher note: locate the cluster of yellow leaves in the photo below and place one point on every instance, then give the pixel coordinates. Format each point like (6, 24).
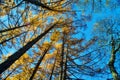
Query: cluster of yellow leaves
(66, 30)
(33, 21)
(9, 2)
(24, 58)
(48, 56)
(5, 6)
(55, 36)
(40, 20)
(44, 46)
(58, 46)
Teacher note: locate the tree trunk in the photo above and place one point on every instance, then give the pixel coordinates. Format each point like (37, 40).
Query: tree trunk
(38, 63)
(38, 3)
(112, 61)
(62, 58)
(53, 68)
(65, 69)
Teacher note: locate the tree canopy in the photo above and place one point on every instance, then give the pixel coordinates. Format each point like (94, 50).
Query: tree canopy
(59, 39)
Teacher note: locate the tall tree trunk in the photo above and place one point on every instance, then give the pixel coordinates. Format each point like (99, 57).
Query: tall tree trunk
(65, 69)
(38, 63)
(53, 68)
(112, 61)
(6, 64)
(62, 57)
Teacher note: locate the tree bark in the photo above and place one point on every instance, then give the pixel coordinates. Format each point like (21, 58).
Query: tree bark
(65, 70)
(62, 58)
(112, 61)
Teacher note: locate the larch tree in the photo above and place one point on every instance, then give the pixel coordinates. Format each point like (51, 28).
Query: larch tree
(108, 34)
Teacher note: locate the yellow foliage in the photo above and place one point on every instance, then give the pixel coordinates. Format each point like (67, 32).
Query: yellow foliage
(66, 29)
(49, 66)
(58, 45)
(48, 56)
(25, 58)
(55, 36)
(5, 7)
(44, 46)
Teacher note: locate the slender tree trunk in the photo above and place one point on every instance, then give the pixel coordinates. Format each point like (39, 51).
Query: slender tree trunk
(6, 64)
(112, 61)
(38, 3)
(62, 57)
(66, 61)
(53, 68)
(65, 69)
(112, 68)
(38, 63)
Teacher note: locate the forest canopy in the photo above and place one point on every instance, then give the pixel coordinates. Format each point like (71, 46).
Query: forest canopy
(59, 39)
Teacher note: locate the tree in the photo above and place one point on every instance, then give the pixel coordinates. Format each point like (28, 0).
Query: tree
(110, 37)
